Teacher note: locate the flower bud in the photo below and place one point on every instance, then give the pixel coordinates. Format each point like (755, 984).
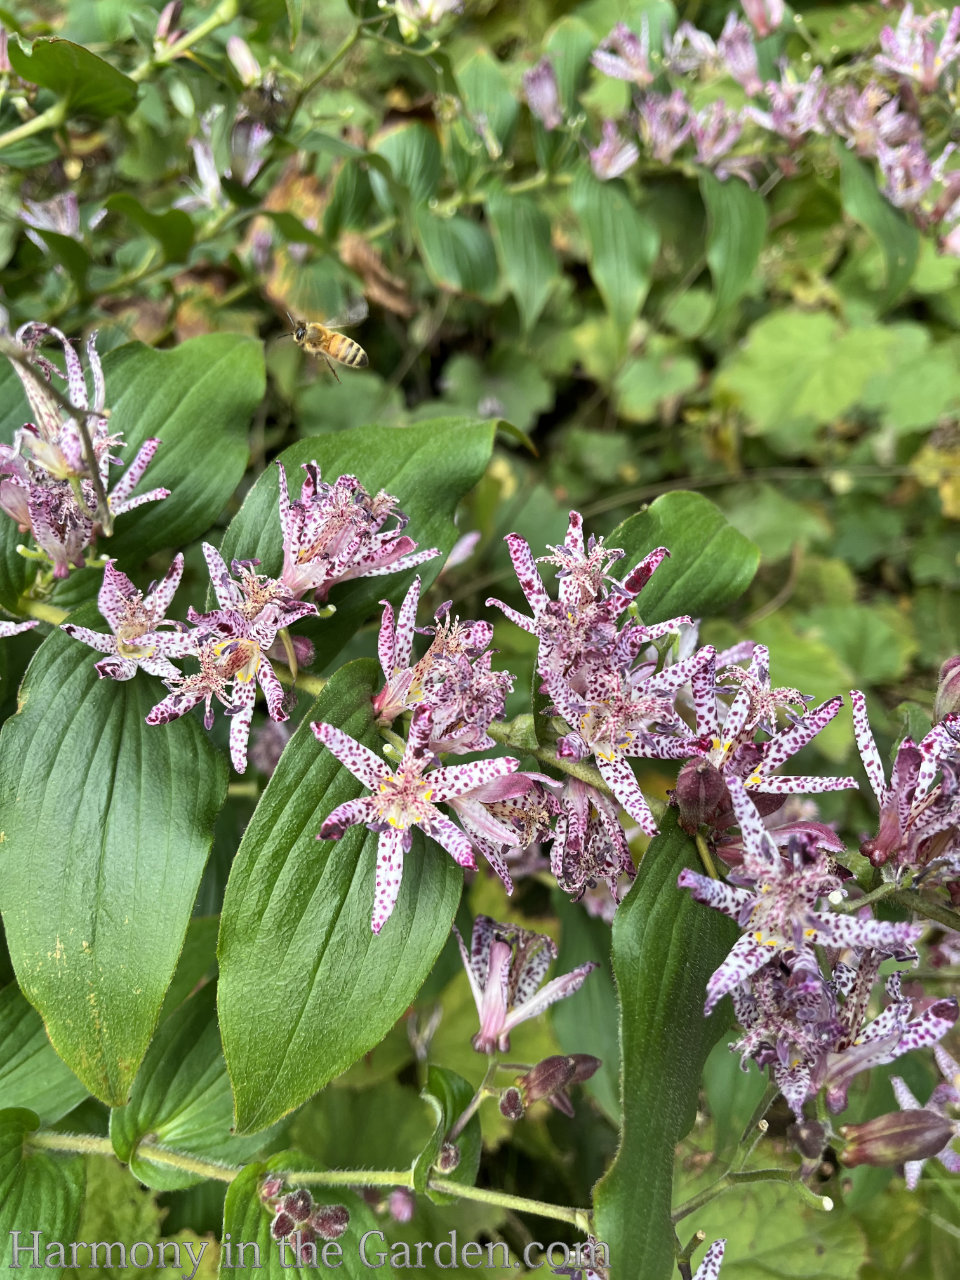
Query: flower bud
(764, 15)
(511, 1103)
(543, 94)
(243, 61)
(282, 1225)
(169, 17)
(271, 1188)
(400, 1204)
(896, 1138)
(585, 1065)
(809, 1137)
(330, 1221)
(298, 1204)
(948, 690)
(546, 1078)
(449, 1157)
(699, 793)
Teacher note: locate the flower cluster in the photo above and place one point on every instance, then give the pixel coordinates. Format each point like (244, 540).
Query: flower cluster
(300, 1222)
(46, 484)
(880, 112)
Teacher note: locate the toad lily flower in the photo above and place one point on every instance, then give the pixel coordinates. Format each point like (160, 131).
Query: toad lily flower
(135, 620)
(335, 532)
(505, 966)
(404, 796)
(777, 905)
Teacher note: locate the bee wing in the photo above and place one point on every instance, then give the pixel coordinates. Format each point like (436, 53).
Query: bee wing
(356, 311)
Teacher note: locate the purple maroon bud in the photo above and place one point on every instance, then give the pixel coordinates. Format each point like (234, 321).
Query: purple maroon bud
(585, 1065)
(169, 17)
(948, 690)
(699, 794)
(809, 1137)
(546, 1077)
(896, 1138)
(400, 1204)
(282, 1225)
(448, 1158)
(511, 1103)
(271, 1188)
(298, 1204)
(330, 1221)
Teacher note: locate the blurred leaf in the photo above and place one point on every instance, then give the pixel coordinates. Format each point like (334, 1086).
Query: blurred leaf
(664, 372)
(488, 96)
(89, 85)
(665, 946)
(774, 521)
(306, 987)
(522, 233)
(458, 254)
(736, 229)
(899, 241)
(622, 245)
(876, 647)
(508, 385)
(172, 230)
(413, 153)
(449, 1095)
(181, 1099)
(31, 1074)
(919, 384)
(295, 18)
(569, 45)
(70, 253)
(710, 564)
(116, 814)
(38, 1192)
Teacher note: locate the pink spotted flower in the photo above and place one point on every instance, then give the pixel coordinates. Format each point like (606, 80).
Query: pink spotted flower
(336, 532)
(135, 619)
(404, 796)
(505, 966)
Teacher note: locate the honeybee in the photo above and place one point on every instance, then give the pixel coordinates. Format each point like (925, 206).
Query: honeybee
(324, 340)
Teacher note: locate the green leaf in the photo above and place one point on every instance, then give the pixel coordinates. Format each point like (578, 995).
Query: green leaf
(898, 240)
(31, 1074)
(70, 253)
(306, 988)
(198, 401)
(246, 1221)
(665, 946)
(710, 562)
(569, 45)
(181, 1097)
(172, 230)
(736, 229)
(449, 1095)
(458, 254)
(38, 1192)
(521, 231)
(489, 99)
(295, 18)
(107, 826)
(413, 153)
(428, 468)
(664, 372)
(622, 245)
(89, 85)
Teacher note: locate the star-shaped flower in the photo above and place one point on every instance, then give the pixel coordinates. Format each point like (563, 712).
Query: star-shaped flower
(135, 620)
(404, 796)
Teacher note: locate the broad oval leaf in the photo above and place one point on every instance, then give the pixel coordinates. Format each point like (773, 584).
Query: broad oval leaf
(306, 988)
(31, 1074)
(246, 1222)
(181, 1097)
(173, 230)
(457, 253)
(491, 102)
(665, 946)
(899, 241)
(522, 233)
(90, 86)
(428, 468)
(736, 228)
(710, 563)
(107, 824)
(38, 1193)
(198, 401)
(622, 245)
(413, 153)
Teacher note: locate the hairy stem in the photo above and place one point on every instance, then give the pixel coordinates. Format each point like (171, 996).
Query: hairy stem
(49, 119)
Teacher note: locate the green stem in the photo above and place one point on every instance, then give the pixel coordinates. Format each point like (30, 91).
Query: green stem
(87, 1144)
(852, 905)
(579, 1218)
(575, 768)
(45, 612)
(49, 119)
(469, 1111)
(705, 858)
(337, 56)
(225, 12)
(929, 908)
